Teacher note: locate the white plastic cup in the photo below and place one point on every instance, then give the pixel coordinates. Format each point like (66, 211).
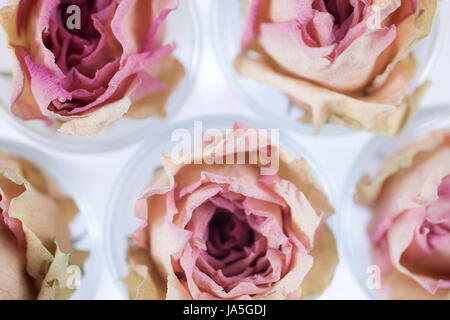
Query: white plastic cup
(227, 22)
(139, 171)
(183, 28)
(353, 219)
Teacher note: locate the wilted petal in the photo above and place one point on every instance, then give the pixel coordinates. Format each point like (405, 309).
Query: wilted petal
(35, 217)
(323, 105)
(16, 284)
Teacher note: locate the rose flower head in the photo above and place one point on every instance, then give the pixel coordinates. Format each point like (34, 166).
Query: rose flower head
(410, 227)
(36, 255)
(85, 64)
(222, 230)
(345, 62)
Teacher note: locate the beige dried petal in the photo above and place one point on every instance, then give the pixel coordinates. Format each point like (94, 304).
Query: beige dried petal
(8, 21)
(325, 106)
(367, 191)
(57, 281)
(143, 281)
(397, 286)
(290, 285)
(175, 290)
(15, 282)
(42, 215)
(98, 121)
(40, 181)
(326, 259)
(273, 13)
(409, 32)
(298, 172)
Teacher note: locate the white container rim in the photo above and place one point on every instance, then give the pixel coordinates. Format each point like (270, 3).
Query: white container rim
(415, 129)
(129, 139)
(290, 124)
(220, 121)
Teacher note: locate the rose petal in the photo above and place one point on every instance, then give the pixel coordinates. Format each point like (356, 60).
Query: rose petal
(400, 236)
(423, 162)
(16, 284)
(324, 105)
(325, 261)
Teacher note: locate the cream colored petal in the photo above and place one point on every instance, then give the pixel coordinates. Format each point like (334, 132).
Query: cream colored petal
(290, 285)
(298, 172)
(409, 32)
(43, 221)
(40, 181)
(78, 257)
(161, 184)
(398, 286)
(367, 191)
(396, 89)
(165, 238)
(325, 106)
(284, 11)
(39, 258)
(143, 281)
(305, 220)
(15, 282)
(175, 290)
(42, 215)
(326, 259)
(8, 21)
(97, 122)
(57, 284)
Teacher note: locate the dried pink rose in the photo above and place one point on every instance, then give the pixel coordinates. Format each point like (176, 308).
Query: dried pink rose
(340, 61)
(113, 63)
(224, 231)
(35, 244)
(410, 228)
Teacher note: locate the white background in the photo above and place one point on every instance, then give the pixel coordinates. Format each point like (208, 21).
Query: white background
(212, 94)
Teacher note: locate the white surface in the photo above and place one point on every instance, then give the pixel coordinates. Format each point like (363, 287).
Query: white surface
(212, 94)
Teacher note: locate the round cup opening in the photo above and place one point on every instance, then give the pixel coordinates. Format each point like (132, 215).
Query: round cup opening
(353, 219)
(125, 132)
(266, 101)
(138, 172)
